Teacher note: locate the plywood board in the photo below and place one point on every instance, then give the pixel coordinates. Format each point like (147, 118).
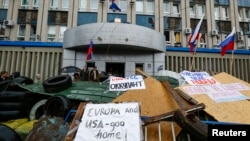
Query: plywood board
(235, 111)
(154, 100)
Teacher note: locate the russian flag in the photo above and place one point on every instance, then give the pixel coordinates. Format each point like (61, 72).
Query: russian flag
(113, 6)
(195, 35)
(90, 51)
(228, 43)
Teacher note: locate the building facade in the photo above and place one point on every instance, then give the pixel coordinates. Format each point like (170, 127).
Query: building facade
(45, 21)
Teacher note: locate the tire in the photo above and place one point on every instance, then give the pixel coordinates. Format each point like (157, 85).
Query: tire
(9, 106)
(57, 106)
(12, 96)
(37, 110)
(4, 84)
(8, 134)
(23, 80)
(10, 115)
(57, 83)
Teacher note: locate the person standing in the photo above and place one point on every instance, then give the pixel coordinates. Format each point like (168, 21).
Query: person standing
(94, 74)
(84, 74)
(4, 75)
(76, 77)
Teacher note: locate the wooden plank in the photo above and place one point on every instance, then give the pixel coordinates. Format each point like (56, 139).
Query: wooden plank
(71, 135)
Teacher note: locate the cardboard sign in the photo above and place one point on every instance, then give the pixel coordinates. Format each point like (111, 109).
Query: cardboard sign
(110, 122)
(198, 78)
(128, 83)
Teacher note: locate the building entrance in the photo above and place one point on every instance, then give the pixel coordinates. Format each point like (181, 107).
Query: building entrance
(116, 69)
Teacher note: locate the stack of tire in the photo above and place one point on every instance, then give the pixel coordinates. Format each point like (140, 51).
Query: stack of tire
(15, 102)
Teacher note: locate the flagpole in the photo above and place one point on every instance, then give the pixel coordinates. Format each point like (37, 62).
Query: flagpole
(193, 58)
(231, 63)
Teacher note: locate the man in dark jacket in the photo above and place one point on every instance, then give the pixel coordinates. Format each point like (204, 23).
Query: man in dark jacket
(4, 75)
(94, 74)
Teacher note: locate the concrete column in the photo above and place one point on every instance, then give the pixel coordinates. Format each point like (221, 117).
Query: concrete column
(40, 20)
(44, 25)
(75, 13)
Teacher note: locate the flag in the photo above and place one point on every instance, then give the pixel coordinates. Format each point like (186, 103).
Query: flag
(227, 43)
(113, 6)
(90, 51)
(195, 35)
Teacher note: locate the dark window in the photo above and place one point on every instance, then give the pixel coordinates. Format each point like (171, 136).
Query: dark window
(57, 18)
(197, 1)
(244, 3)
(245, 26)
(224, 26)
(173, 23)
(194, 23)
(3, 15)
(27, 17)
(86, 18)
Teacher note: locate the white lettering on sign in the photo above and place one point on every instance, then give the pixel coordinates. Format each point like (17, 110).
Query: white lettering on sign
(128, 83)
(198, 78)
(112, 121)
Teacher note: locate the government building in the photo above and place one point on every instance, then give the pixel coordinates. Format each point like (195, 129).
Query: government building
(43, 36)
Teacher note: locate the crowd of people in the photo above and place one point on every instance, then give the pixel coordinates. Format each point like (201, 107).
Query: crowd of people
(90, 75)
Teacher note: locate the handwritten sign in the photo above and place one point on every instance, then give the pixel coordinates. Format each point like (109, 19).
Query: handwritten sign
(198, 78)
(220, 92)
(128, 83)
(215, 88)
(226, 96)
(110, 122)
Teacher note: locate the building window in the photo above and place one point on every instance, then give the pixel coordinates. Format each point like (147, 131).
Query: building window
(145, 20)
(36, 3)
(224, 14)
(201, 10)
(177, 37)
(54, 4)
(223, 26)
(139, 6)
(62, 30)
(247, 15)
(150, 6)
(82, 5)
(173, 23)
(176, 9)
(94, 5)
(194, 23)
(51, 33)
(21, 32)
(5, 4)
(216, 13)
(27, 17)
(25, 3)
(65, 4)
(86, 18)
(240, 14)
(57, 18)
(33, 33)
(166, 8)
(245, 27)
(123, 5)
(192, 12)
(167, 37)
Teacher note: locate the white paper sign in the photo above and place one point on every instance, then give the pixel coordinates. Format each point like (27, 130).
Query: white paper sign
(110, 122)
(198, 78)
(128, 83)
